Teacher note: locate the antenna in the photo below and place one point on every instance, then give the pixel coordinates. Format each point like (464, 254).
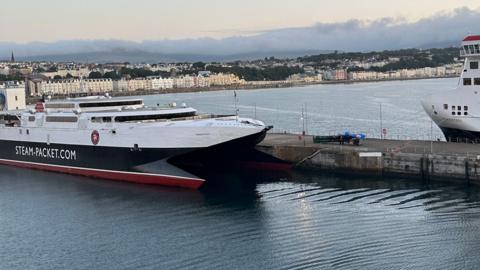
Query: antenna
(235, 101)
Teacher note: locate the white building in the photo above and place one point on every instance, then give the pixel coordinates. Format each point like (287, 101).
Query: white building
(120, 85)
(137, 84)
(184, 82)
(158, 83)
(14, 95)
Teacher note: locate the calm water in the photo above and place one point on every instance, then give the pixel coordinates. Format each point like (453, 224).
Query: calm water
(248, 220)
(253, 221)
(330, 108)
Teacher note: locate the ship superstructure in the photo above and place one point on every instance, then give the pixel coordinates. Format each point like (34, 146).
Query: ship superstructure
(457, 112)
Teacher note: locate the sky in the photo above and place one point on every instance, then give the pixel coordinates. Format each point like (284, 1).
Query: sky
(23, 21)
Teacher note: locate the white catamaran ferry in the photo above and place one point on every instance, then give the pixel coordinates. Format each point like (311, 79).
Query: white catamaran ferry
(119, 139)
(457, 112)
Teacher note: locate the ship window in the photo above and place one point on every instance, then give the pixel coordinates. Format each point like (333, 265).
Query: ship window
(96, 119)
(453, 113)
(31, 118)
(108, 104)
(476, 81)
(459, 108)
(474, 65)
(153, 117)
(59, 105)
(459, 113)
(453, 108)
(472, 50)
(105, 119)
(477, 49)
(467, 81)
(465, 113)
(68, 119)
(465, 108)
(445, 106)
(466, 49)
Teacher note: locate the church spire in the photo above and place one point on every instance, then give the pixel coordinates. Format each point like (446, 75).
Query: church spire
(12, 59)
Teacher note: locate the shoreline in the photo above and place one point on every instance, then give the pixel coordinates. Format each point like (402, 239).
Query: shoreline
(243, 87)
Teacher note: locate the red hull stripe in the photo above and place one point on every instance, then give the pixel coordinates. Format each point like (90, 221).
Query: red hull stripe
(135, 177)
(472, 38)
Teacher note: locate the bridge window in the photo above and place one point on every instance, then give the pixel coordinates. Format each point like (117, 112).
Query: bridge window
(476, 81)
(445, 106)
(65, 119)
(467, 81)
(472, 50)
(104, 119)
(474, 65)
(466, 49)
(31, 118)
(477, 49)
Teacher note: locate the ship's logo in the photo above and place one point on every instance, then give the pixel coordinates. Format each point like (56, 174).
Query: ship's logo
(95, 137)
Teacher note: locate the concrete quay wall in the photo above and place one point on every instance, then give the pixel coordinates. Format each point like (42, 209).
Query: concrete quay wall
(380, 158)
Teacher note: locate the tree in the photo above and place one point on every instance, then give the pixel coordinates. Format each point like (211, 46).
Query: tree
(198, 66)
(57, 77)
(111, 75)
(68, 76)
(95, 75)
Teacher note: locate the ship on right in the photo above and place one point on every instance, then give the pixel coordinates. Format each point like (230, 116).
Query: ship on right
(457, 112)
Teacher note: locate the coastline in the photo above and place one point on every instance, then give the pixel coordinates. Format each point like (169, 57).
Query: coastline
(243, 87)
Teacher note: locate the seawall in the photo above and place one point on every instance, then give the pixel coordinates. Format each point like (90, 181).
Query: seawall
(420, 159)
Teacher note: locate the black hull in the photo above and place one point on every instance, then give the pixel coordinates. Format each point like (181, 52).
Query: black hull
(150, 166)
(233, 154)
(459, 135)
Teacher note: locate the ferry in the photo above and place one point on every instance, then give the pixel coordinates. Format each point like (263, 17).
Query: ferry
(120, 139)
(457, 112)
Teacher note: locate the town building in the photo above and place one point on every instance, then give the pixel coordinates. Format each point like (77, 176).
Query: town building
(12, 96)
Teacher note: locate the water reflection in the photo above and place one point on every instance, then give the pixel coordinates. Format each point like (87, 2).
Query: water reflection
(242, 220)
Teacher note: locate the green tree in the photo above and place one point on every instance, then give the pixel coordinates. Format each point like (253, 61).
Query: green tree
(95, 75)
(198, 66)
(111, 75)
(57, 77)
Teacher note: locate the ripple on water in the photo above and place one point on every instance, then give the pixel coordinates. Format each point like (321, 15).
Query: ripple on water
(310, 222)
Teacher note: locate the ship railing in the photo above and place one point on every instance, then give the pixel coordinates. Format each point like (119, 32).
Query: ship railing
(463, 53)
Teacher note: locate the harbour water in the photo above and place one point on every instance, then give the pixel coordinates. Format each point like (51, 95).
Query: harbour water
(330, 108)
(251, 219)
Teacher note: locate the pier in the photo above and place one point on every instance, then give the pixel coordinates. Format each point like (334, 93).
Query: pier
(428, 160)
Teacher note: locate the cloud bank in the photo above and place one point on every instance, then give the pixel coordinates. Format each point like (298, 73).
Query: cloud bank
(442, 29)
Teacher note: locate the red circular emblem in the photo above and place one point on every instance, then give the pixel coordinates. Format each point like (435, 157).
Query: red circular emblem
(95, 137)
